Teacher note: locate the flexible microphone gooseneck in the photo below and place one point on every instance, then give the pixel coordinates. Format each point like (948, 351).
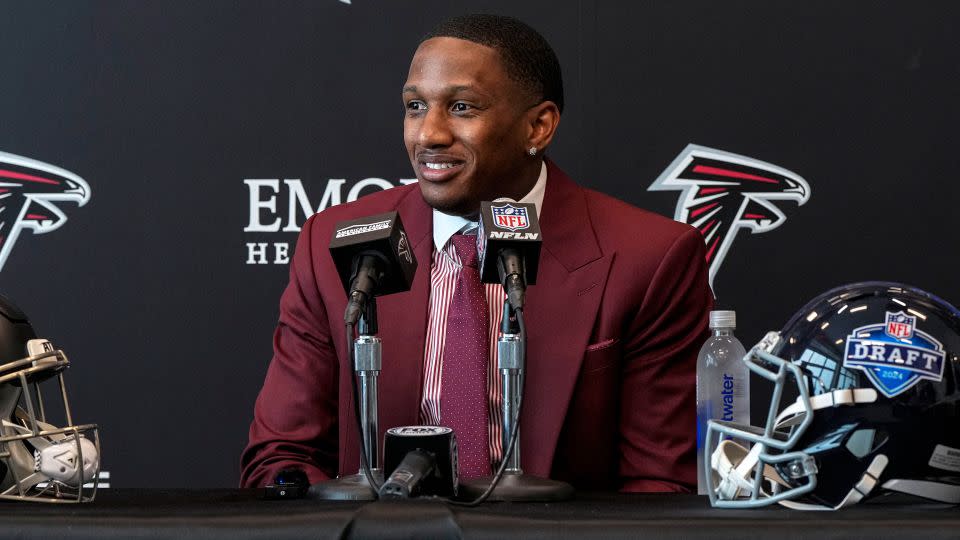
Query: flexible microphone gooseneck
(369, 269)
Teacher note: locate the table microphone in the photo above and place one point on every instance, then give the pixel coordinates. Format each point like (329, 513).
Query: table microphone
(373, 258)
(508, 247)
(420, 460)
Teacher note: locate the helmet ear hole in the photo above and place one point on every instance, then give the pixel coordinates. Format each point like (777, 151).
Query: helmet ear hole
(864, 442)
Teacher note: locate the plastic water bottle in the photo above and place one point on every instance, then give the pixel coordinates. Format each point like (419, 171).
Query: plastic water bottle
(723, 384)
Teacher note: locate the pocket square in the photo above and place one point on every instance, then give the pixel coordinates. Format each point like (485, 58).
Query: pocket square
(600, 345)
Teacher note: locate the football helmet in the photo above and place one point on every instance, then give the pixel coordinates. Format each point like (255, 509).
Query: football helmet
(39, 461)
(874, 370)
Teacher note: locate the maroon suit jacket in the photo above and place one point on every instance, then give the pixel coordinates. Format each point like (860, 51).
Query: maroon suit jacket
(614, 326)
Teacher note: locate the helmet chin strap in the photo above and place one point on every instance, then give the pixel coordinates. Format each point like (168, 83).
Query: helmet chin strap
(936, 491)
(737, 466)
(863, 487)
(56, 456)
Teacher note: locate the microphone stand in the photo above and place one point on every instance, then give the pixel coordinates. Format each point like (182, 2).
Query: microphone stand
(514, 485)
(367, 365)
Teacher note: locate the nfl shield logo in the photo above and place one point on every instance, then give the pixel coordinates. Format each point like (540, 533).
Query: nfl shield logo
(510, 217)
(900, 325)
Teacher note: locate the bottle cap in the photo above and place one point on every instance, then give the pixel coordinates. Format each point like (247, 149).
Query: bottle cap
(723, 319)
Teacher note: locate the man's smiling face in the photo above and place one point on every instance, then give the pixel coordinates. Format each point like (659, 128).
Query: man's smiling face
(466, 126)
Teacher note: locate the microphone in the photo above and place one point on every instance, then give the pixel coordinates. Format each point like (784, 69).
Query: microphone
(373, 258)
(508, 246)
(421, 460)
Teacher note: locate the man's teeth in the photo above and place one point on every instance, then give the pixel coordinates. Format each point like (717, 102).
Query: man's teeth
(440, 165)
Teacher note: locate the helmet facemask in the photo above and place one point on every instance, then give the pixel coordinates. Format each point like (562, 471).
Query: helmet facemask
(41, 461)
(774, 469)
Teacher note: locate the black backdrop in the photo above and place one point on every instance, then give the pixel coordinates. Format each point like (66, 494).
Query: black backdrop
(187, 118)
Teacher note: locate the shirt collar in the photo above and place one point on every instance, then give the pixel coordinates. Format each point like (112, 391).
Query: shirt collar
(445, 225)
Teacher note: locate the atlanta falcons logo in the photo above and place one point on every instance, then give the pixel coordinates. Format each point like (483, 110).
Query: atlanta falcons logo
(29, 191)
(723, 193)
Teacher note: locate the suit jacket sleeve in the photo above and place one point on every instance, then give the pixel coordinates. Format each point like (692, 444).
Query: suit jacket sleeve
(295, 417)
(658, 434)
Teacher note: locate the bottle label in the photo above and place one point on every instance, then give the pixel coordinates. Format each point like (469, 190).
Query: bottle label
(728, 399)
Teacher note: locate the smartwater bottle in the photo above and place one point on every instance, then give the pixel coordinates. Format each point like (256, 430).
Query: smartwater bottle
(723, 384)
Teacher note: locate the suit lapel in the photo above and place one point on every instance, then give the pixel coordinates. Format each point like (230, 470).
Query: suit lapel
(560, 313)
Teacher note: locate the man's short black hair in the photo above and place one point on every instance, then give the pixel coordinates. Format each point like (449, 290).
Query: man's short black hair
(527, 57)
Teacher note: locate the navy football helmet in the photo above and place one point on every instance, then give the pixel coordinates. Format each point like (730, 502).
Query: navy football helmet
(874, 370)
(38, 460)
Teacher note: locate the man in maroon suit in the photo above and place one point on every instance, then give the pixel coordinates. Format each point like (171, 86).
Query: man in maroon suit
(614, 322)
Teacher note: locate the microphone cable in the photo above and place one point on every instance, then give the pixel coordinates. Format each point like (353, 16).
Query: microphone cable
(514, 431)
(364, 458)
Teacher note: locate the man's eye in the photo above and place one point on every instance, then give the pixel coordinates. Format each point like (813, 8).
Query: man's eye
(416, 105)
(461, 107)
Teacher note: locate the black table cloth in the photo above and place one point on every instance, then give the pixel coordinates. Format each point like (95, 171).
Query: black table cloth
(132, 513)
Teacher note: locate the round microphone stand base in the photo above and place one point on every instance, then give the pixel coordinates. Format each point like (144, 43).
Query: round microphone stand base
(518, 488)
(353, 487)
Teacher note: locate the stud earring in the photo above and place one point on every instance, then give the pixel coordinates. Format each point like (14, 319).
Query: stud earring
(532, 151)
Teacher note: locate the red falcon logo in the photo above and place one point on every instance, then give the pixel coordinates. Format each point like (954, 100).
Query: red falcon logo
(29, 191)
(722, 193)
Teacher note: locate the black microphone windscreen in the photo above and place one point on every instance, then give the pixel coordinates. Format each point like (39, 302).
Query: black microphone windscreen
(508, 225)
(381, 235)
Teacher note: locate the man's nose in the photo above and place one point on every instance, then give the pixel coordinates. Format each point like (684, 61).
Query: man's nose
(435, 129)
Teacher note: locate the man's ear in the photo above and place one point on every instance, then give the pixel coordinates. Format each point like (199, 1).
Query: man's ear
(543, 120)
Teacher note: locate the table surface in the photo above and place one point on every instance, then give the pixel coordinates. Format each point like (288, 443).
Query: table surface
(235, 513)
